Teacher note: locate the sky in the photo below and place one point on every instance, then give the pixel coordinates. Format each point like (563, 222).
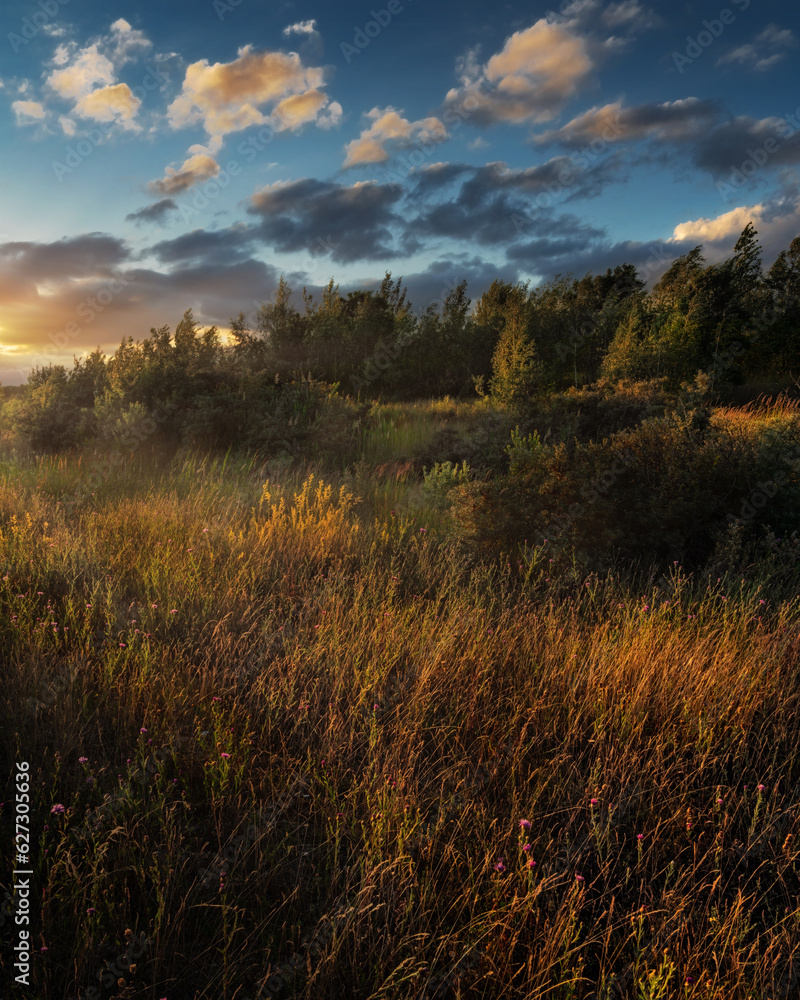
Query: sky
(157, 158)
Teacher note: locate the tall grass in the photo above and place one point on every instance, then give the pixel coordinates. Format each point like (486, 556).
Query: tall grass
(313, 725)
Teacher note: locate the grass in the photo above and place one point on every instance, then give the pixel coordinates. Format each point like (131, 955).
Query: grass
(295, 728)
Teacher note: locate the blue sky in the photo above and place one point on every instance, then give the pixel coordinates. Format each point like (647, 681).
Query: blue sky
(187, 155)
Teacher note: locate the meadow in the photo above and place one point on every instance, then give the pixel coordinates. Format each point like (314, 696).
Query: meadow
(293, 733)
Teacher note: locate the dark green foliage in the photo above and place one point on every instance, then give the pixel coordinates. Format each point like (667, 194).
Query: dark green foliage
(665, 489)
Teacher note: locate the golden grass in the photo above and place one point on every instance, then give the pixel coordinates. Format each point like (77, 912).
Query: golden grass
(312, 730)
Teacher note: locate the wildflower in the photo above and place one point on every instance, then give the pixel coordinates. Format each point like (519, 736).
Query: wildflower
(57, 808)
(525, 824)
(500, 867)
(640, 837)
(91, 911)
(526, 847)
(531, 864)
(83, 760)
(174, 611)
(761, 788)
(579, 879)
(205, 530)
(594, 802)
(225, 755)
(142, 730)
(122, 645)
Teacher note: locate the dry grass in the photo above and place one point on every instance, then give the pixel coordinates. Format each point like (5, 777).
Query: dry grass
(313, 729)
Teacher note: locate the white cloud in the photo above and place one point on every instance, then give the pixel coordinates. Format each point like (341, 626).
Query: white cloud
(28, 112)
(723, 227)
(114, 103)
(760, 54)
(302, 28)
(196, 169)
(89, 69)
(388, 126)
(530, 80)
(229, 97)
(126, 43)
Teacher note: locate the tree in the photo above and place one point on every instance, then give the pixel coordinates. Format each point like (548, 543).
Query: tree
(517, 371)
(282, 324)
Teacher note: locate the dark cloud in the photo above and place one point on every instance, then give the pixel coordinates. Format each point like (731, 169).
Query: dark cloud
(153, 213)
(670, 121)
(494, 205)
(77, 257)
(748, 145)
(547, 257)
(351, 222)
(67, 298)
(230, 245)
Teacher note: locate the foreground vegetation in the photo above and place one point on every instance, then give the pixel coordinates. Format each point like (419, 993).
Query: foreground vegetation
(486, 696)
(311, 738)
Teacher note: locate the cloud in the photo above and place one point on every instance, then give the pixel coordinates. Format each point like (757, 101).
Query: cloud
(126, 43)
(156, 212)
(65, 298)
(389, 127)
(300, 108)
(744, 142)
(670, 121)
(631, 15)
(305, 215)
(760, 55)
(68, 126)
(88, 69)
(723, 227)
(534, 189)
(28, 112)
(229, 97)
(777, 222)
(201, 246)
(86, 256)
(88, 76)
(530, 80)
(114, 103)
(302, 28)
(196, 169)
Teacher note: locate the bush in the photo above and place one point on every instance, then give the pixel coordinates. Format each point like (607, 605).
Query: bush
(665, 490)
(441, 480)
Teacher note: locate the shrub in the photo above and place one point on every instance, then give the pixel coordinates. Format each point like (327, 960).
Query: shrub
(441, 480)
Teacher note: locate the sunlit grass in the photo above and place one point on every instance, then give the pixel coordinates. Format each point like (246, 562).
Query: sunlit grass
(304, 706)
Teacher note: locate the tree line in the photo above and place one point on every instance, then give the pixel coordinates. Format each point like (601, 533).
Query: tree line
(733, 320)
